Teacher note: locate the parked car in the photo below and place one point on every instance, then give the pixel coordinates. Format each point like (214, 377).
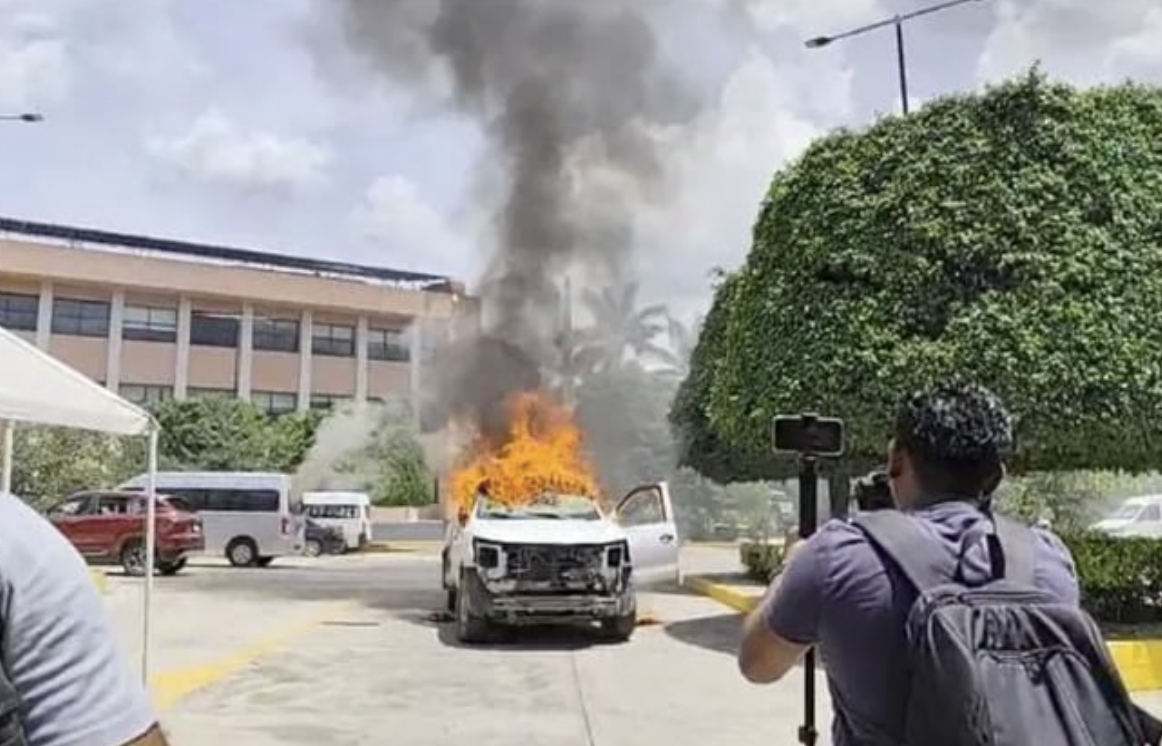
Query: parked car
(319, 539)
(109, 528)
(1136, 516)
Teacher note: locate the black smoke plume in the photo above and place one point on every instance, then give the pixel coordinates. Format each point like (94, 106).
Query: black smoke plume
(568, 94)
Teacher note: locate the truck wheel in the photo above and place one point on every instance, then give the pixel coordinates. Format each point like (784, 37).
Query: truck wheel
(470, 629)
(171, 568)
(241, 552)
(619, 628)
(133, 558)
(312, 547)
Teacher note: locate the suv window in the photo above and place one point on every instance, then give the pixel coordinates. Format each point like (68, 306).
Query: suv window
(1150, 514)
(112, 505)
(75, 506)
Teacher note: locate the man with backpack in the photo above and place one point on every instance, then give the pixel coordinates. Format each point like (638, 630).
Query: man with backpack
(940, 623)
(63, 680)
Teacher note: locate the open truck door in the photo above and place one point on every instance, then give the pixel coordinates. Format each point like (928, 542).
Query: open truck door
(647, 515)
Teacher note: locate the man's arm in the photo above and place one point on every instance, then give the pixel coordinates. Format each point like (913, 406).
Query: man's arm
(785, 623)
(75, 685)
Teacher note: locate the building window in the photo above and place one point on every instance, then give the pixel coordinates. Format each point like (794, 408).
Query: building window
(274, 402)
(18, 312)
(146, 324)
(145, 394)
(324, 402)
(213, 329)
(80, 318)
(388, 344)
(333, 339)
(278, 335)
(194, 392)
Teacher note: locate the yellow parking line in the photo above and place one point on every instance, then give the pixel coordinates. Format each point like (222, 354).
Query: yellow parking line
(170, 687)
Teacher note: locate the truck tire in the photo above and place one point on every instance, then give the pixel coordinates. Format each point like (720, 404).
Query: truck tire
(619, 628)
(133, 558)
(171, 568)
(470, 629)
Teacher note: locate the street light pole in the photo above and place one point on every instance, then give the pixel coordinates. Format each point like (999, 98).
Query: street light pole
(898, 22)
(901, 62)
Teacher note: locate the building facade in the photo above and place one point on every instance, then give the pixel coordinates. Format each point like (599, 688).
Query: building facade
(153, 319)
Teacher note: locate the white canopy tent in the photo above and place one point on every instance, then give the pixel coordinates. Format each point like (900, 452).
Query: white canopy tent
(36, 388)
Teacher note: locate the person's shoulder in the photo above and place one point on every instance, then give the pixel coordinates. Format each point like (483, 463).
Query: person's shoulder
(31, 544)
(1049, 543)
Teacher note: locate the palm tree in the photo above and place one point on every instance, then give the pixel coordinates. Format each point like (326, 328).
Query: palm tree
(621, 331)
(682, 339)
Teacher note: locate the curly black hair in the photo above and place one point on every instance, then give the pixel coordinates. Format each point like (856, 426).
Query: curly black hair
(958, 436)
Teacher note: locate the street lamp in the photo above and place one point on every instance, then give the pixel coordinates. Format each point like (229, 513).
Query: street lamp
(28, 118)
(898, 22)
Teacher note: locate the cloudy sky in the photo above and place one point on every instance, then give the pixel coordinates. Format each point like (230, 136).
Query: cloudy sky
(239, 122)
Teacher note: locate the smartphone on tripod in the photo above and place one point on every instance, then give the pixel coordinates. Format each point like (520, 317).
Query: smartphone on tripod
(809, 437)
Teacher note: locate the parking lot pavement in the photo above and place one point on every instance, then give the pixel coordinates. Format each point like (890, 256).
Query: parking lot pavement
(367, 664)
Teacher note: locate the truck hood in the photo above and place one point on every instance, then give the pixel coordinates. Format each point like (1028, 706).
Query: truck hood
(548, 531)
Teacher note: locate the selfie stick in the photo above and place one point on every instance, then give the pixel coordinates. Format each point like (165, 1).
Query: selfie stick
(808, 516)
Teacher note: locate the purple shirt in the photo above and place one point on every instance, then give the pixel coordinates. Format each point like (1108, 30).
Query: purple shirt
(838, 593)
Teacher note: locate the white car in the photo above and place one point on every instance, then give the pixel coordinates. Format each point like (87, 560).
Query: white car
(558, 559)
(1137, 516)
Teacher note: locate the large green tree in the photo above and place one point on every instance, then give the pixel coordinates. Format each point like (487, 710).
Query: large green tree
(229, 435)
(1012, 237)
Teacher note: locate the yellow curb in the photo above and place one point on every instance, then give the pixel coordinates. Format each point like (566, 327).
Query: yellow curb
(736, 598)
(100, 580)
(1138, 661)
(171, 687)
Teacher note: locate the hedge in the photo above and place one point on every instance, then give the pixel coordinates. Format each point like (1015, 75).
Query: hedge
(1120, 578)
(1010, 237)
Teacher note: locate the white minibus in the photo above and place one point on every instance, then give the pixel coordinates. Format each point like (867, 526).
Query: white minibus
(349, 511)
(249, 517)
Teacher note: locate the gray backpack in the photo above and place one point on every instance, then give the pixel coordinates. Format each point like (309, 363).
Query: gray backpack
(1003, 663)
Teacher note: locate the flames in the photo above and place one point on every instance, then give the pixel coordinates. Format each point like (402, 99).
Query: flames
(542, 451)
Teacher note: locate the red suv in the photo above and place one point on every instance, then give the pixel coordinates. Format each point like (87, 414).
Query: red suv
(109, 527)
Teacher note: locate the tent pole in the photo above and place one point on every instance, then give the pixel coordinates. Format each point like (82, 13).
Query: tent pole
(9, 439)
(150, 551)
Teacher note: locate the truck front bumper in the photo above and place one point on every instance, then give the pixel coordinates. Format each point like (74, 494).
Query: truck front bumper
(516, 607)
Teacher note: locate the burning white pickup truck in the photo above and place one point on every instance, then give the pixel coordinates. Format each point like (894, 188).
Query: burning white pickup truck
(558, 558)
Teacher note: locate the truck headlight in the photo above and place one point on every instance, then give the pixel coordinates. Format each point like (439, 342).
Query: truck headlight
(487, 556)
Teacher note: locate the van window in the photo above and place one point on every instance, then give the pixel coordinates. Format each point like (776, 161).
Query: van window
(227, 500)
(333, 511)
(1151, 514)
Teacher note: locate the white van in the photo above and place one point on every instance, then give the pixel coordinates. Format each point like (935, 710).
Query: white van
(1137, 516)
(349, 511)
(250, 517)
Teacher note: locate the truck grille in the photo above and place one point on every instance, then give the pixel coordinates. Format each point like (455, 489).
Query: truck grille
(549, 563)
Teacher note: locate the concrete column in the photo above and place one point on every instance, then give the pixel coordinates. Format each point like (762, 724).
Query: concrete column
(415, 347)
(181, 377)
(361, 364)
(245, 352)
(113, 360)
(44, 316)
(305, 328)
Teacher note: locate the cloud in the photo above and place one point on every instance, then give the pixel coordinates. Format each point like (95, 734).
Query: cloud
(394, 218)
(34, 61)
(215, 150)
(1082, 41)
(723, 165)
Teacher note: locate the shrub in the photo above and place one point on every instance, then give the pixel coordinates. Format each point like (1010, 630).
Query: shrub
(762, 561)
(1120, 578)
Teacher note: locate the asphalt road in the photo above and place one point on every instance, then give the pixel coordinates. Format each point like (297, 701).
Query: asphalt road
(380, 666)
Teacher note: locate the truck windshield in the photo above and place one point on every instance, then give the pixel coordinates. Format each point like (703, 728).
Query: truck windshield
(548, 505)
